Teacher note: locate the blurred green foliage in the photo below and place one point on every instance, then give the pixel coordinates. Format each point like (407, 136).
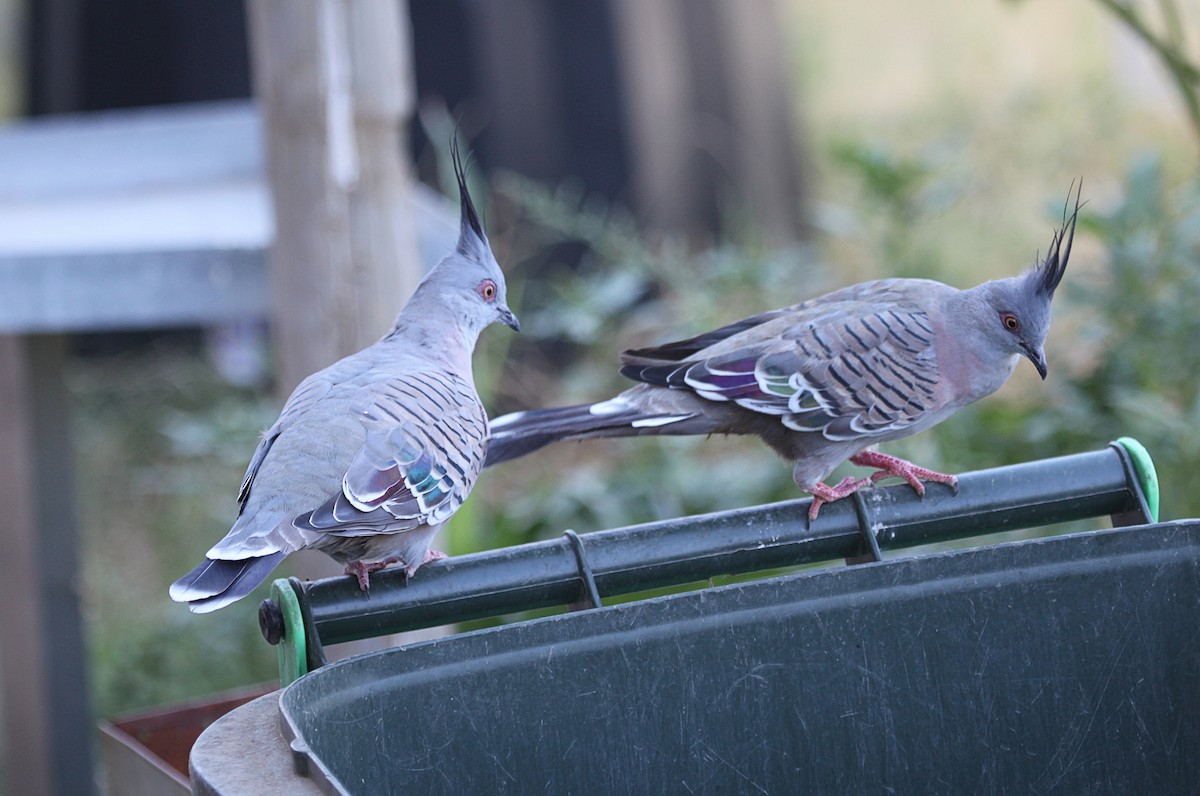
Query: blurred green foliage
(620, 292)
(163, 441)
(1118, 318)
(1137, 367)
(1124, 350)
(1165, 35)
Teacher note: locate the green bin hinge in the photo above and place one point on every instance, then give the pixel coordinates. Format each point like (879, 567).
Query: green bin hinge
(1143, 467)
(285, 628)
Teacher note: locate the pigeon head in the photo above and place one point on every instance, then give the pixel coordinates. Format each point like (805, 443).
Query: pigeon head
(469, 281)
(1021, 304)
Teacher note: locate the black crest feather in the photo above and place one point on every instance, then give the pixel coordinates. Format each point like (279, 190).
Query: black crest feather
(470, 218)
(1049, 272)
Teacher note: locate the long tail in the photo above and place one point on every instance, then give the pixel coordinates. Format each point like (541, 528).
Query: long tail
(519, 433)
(216, 583)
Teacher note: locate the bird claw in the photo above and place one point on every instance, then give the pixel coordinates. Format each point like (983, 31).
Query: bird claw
(430, 555)
(887, 467)
(823, 494)
(362, 571)
(892, 466)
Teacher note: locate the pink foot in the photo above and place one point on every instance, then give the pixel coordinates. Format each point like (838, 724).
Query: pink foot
(363, 570)
(889, 466)
(823, 494)
(430, 555)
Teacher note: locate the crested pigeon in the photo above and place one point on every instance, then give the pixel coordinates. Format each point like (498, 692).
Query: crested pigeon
(828, 379)
(373, 454)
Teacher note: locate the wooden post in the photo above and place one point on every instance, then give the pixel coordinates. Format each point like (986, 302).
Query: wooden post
(767, 157)
(709, 113)
(516, 74)
(652, 54)
(334, 80)
(47, 719)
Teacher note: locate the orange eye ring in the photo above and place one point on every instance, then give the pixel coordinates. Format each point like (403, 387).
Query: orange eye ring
(1010, 321)
(487, 290)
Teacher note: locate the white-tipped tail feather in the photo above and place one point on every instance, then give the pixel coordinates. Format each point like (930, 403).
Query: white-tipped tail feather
(519, 433)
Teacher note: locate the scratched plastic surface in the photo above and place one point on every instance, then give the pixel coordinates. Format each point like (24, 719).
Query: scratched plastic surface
(1066, 665)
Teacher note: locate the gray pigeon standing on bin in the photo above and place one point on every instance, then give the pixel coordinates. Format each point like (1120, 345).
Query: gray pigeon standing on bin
(828, 379)
(372, 455)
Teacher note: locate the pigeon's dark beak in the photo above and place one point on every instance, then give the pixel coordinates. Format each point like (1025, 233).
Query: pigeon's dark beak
(508, 319)
(1037, 357)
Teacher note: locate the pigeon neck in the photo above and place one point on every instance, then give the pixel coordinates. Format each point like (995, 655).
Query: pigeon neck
(435, 331)
(973, 361)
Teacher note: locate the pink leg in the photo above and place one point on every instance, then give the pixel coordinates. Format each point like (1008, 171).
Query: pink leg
(430, 555)
(823, 494)
(889, 466)
(363, 570)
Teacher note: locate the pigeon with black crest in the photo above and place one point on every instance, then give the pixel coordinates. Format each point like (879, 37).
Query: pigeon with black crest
(372, 455)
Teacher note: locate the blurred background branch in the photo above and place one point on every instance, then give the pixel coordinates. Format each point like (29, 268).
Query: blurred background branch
(1170, 46)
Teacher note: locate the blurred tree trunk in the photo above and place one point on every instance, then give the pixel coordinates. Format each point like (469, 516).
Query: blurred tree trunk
(683, 109)
(334, 80)
(711, 116)
(47, 721)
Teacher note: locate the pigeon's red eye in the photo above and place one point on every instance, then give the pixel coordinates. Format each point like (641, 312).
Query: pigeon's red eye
(1010, 321)
(487, 289)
